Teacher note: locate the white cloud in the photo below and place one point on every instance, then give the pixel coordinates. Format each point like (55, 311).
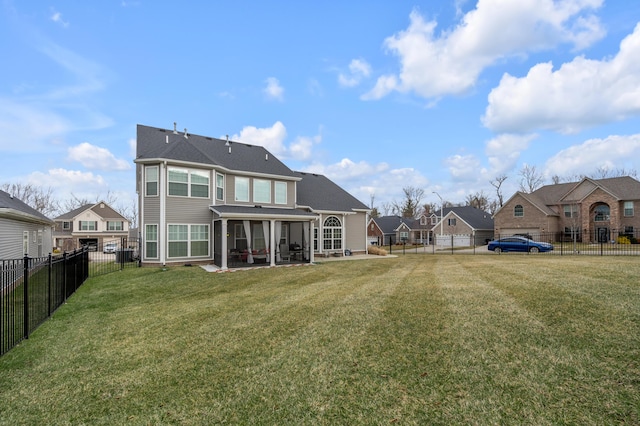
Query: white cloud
(358, 70)
(272, 138)
(580, 94)
(67, 182)
(463, 167)
(434, 65)
(94, 157)
(274, 90)
(612, 153)
(504, 150)
(301, 149)
(28, 128)
(57, 18)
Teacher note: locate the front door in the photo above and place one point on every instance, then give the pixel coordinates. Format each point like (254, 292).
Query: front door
(603, 235)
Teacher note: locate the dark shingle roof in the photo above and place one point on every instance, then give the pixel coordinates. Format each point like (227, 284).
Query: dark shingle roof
(476, 218)
(321, 194)
(389, 224)
(154, 143)
(9, 204)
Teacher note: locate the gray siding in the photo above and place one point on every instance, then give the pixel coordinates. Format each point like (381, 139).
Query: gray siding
(12, 238)
(188, 210)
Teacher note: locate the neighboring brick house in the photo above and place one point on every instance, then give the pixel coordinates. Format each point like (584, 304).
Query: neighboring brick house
(24, 230)
(591, 210)
(91, 225)
(208, 200)
(465, 226)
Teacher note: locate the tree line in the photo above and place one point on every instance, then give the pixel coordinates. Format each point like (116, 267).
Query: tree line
(43, 200)
(530, 179)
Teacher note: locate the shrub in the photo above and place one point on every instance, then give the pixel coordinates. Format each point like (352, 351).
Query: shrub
(623, 240)
(377, 250)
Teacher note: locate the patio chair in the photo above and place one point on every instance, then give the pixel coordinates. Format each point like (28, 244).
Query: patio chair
(284, 252)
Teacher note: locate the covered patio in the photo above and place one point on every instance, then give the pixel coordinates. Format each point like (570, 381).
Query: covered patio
(246, 236)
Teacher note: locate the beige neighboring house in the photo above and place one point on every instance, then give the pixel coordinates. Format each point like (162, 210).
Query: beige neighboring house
(591, 210)
(92, 225)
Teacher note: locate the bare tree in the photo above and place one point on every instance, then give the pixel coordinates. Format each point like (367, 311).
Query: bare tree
(497, 184)
(410, 204)
(530, 179)
(479, 200)
(604, 173)
(387, 208)
(374, 210)
(39, 198)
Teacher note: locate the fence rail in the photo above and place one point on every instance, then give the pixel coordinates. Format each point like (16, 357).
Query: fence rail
(31, 289)
(601, 242)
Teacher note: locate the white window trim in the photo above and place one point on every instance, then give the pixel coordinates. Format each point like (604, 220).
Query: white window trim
(256, 183)
(157, 181)
(189, 182)
(243, 179)
(189, 240)
(147, 240)
(277, 185)
(222, 187)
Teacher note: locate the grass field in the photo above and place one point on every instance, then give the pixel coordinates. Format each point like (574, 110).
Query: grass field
(410, 340)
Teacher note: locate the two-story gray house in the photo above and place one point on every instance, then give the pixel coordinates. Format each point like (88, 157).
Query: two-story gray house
(209, 200)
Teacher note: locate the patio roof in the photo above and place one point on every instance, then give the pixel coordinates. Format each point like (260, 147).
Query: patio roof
(261, 213)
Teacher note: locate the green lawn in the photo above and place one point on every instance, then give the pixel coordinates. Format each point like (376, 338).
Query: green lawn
(416, 339)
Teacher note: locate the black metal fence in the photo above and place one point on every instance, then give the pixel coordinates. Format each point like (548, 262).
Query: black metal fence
(600, 242)
(33, 288)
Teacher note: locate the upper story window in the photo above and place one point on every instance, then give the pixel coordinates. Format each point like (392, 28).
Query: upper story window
(151, 181)
(518, 211)
(261, 191)
(219, 187)
(115, 226)
(602, 213)
(66, 225)
(281, 192)
(628, 208)
(188, 183)
(434, 219)
(88, 225)
(451, 222)
(571, 211)
(242, 189)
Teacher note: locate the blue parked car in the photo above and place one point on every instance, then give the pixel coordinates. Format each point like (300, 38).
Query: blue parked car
(517, 243)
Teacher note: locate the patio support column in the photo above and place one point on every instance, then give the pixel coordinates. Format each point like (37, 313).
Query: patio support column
(273, 244)
(223, 247)
(310, 242)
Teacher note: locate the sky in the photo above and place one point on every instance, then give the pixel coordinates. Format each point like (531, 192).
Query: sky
(442, 96)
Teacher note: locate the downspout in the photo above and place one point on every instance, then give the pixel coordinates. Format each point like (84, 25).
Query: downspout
(162, 243)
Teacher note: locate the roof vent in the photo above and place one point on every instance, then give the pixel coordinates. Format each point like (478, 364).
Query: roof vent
(228, 143)
(175, 128)
(186, 135)
(266, 157)
(166, 139)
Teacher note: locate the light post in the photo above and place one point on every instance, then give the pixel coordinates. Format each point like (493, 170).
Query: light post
(441, 211)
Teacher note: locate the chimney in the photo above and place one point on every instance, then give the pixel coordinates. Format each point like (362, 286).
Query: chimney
(175, 128)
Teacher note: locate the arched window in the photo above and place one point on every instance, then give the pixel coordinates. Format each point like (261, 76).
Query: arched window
(332, 234)
(518, 211)
(602, 213)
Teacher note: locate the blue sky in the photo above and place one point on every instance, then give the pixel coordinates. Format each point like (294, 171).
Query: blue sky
(377, 95)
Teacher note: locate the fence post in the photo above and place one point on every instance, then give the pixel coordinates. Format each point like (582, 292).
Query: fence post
(64, 276)
(25, 302)
(49, 272)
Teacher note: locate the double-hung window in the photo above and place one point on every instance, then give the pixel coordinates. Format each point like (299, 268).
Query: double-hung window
(151, 241)
(518, 211)
(151, 181)
(188, 183)
(115, 226)
(178, 182)
(332, 234)
(219, 187)
(88, 225)
(188, 240)
(628, 208)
